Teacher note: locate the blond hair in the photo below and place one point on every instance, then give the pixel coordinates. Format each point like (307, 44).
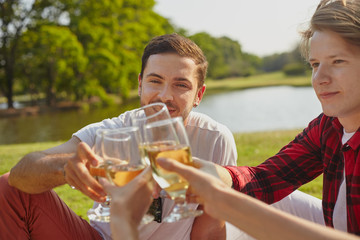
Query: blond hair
(339, 16)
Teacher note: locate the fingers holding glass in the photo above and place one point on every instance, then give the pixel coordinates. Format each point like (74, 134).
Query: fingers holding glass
(168, 139)
(102, 212)
(122, 158)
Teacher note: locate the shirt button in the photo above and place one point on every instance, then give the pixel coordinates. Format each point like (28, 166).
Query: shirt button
(346, 147)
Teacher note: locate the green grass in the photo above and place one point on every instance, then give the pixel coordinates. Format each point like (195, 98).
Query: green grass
(262, 80)
(253, 148)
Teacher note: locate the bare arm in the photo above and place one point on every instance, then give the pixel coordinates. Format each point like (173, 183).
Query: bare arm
(67, 163)
(249, 214)
(205, 226)
(208, 228)
(37, 172)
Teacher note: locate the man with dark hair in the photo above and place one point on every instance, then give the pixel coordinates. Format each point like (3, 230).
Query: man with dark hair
(173, 72)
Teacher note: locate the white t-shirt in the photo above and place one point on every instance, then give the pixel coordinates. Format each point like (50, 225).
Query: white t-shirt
(340, 214)
(209, 140)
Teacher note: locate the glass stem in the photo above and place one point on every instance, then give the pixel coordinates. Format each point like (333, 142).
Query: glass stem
(107, 202)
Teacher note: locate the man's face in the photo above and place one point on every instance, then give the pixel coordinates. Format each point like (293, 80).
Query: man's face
(336, 77)
(171, 79)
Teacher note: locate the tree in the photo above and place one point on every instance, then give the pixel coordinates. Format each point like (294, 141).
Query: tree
(225, 57)
(57, 63)
(114, 33)
(212, 52)
(16, 17)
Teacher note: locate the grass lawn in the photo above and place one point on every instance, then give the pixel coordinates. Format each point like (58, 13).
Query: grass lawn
(261, 80)
(252, 149)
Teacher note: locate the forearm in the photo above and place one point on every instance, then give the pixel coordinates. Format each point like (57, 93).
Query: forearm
(122, 228)
(207, 227)
(224, 175)
(264, 222)
(38, 172)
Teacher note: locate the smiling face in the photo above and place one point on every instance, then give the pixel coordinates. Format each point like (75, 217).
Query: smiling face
(336, 77)
(171, 79)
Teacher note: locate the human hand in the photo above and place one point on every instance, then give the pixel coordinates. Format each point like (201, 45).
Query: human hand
(205, 166)
(205, 184)
(76, 173)
(130, 202)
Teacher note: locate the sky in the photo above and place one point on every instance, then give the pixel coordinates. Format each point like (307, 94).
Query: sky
(262, 27)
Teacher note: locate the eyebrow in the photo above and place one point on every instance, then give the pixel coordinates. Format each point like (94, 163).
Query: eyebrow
(329, 57)
(154, 75)
(180, 79)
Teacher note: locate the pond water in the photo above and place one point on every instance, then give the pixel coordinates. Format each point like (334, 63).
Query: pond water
(260, 109)
(248, 110)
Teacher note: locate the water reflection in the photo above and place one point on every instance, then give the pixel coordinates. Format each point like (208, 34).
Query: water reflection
(54, 126)
(261, 109)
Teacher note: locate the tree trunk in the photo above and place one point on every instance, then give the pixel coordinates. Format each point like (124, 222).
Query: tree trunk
(9, 76)
(9, 93)
(50, 95)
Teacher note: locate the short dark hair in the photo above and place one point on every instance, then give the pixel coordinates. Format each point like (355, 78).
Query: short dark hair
(175, 43)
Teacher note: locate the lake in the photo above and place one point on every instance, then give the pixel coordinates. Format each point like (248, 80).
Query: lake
(258, 109)
(262, 109)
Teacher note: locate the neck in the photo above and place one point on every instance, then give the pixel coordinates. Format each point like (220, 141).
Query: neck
(350, 124)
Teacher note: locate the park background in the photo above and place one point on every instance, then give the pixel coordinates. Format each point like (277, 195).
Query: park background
(80, 56)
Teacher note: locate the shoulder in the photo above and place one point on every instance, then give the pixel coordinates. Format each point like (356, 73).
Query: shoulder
(203, 122)
(87, 133)
(322, 125)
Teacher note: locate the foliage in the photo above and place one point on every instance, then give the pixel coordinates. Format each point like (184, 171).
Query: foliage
(16, 16)
(53, 62)
(114, 34)
(225, 57)
(277, 62)
(294, 69)
(75, 50)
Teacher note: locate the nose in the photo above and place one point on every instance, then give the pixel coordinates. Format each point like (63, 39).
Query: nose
(321, 75)
(165, 93)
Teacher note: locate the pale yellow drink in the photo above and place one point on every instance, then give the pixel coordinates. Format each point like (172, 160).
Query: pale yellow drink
(171, 182)
(122, 174)
(98, 171)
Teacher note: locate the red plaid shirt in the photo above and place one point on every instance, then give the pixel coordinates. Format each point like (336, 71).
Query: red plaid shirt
(318, 149)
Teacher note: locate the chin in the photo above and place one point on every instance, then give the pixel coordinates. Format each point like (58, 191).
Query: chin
(330, 113)
(174, 114)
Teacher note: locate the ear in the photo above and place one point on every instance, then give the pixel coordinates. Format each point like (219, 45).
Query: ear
(139, 86)
(199, 95)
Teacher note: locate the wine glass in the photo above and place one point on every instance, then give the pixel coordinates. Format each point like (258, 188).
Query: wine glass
(149, 113)
(139, 117)
(102, 211)
(122, 158)
(168, 139)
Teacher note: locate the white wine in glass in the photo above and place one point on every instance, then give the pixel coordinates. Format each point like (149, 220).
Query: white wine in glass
(171, 182)
(122, 174)
(102, 212)
(168, 139)
(122, 158)
(140, 117)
